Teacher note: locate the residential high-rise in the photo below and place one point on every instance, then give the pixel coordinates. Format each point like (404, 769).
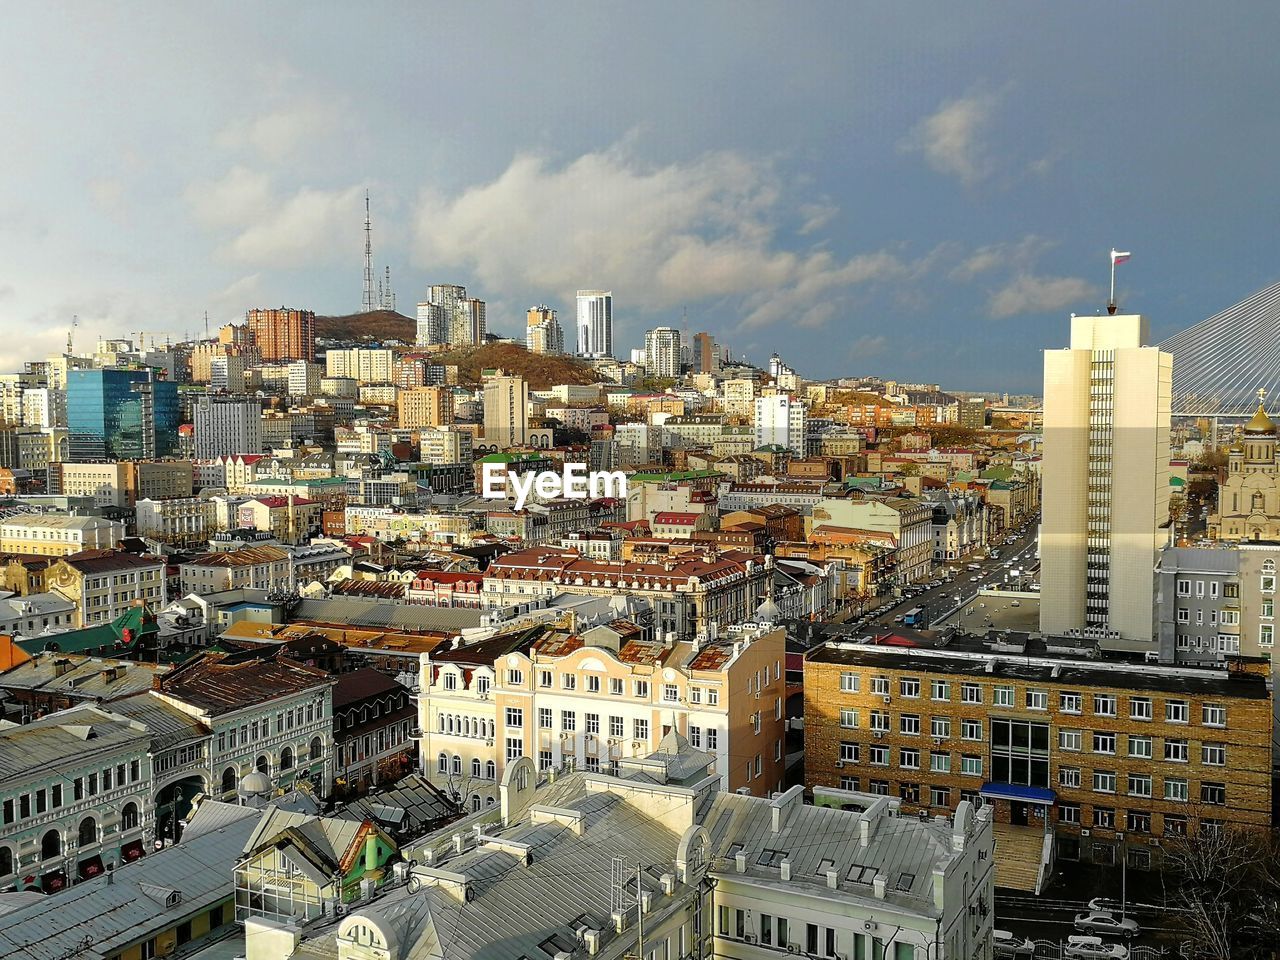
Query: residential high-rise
(662, 352)
(304, 378)
(1106, 481)
(543, 333)
(364, 366)
(449, 316)
(226, 426)
(226, 373)
(781, 421)
(467, 327)
(283, 334)
(121, 414)
(706, 354)
(425, 407)
(506, 411)
(595, 323)
(433, 324)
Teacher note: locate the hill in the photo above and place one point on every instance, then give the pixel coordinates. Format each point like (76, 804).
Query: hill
(542, 372)
(377, 325)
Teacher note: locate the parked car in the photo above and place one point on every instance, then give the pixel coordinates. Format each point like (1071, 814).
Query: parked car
(1007, 945)
(1093, 948)
(1104, 921)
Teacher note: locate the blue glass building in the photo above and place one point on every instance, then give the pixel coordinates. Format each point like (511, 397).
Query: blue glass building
(120, 414)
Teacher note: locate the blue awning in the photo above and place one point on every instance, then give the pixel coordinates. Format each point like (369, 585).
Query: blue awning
(1014, 791)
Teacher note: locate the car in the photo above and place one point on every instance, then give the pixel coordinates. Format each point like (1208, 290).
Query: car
(1102, 905)
(974, 579)
(1016, 603)
(1104, 921)
(1008, 945)
(898, 618)
(1093, 948)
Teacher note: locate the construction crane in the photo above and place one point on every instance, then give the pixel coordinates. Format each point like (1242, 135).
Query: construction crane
(75, 322)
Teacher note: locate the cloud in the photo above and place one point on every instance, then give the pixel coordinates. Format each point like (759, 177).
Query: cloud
(1027, 293)
(107, 194)
(868, 346)
(233, 200)
(281, 133)
(658, 236)
(951, 140)
(816, 216)
(1019, 256)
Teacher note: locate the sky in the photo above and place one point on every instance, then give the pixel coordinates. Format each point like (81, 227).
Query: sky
(917, 191)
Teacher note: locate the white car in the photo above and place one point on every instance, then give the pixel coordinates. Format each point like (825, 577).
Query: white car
(1006, 945)
(1093, 948)
(1104, 921)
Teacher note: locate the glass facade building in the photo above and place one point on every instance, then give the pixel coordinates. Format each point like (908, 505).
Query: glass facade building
(118, 414)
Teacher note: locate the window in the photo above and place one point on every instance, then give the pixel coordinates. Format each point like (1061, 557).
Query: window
(641, 689)
(880, 721)
(1068, 813)
(970, 693)
(515, 748)
(878, 756)
(939, 690)
(1104, 817)
(940, 727)
(515, 678)
(848, 752)
(909, 687)
(1214, 793)
(593, 723)
(850, 682)
(849, 719)
(1139, 784)
(1138, 821)
(880, 686)
(1175, 826)
(971, 729)
(569, 681)
(569, 720)
(1184, 615)
(1175, 711)
(615, 726)
(1139, 708)
(1004, 696)
(909, 792)
(670, 693)
(615, 687)
(1037, 699)
(450, 682)
(1175, 789)
(1104, 781)
(1140, 747)
(1069, 739)
(1070, 702)
(1214, 754)
(1175, 750)
(1184, 588)
(971, 766)
(940, 762)
(1069, 777)
(483, 685)
(544, 718)
(544, 760)
(1104, 704)
(1104, 743)
(909, 758)
(1214, 715)
(1266, 635)
(515, 717)
(909, 724)
(593, 683)
(640, 729)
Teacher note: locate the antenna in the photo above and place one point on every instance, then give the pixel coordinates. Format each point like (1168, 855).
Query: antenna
(75, 322)
(368, 303)
(388, 295)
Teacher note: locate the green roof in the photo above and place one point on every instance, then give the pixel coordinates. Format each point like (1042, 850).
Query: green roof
(311, 482)
(511, 457)
(1177, 482)
(102, 637)
(997, 473)
(673, 475)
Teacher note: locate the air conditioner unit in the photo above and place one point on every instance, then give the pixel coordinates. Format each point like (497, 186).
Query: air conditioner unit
(749, 938)
(793, 948)
(1154, 841)
(879, 734)
(938, 738)
(1084, 832)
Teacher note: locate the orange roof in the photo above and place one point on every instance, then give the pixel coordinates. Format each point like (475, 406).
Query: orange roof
(11, 655)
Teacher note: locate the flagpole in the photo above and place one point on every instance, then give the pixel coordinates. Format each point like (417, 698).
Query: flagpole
(1111, 302)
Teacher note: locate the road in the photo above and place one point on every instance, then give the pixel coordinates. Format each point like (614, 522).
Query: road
(936, 601)
(1045, 918)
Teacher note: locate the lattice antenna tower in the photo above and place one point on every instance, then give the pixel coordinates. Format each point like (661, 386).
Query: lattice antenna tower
(388, 295)
(368, 303)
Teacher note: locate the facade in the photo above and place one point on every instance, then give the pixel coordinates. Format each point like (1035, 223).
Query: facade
(1105, 756)
(227, 426)
(595, 323)
(780, 422)
(543, 333)
(256, 568)
(506, 411)
(593, 700)
(35, 613)
(373, 723)
(959, 524)
(422, 407)
(283, 334)
(443, 445)
(467, 327)
(106, 583)
(909, 522)
(433, 324)
(76, 796)
(360, 364)
(57, 535)
(662, 352)
(1106, 481)
(122, 483)
(182, 521)
(1249, 497)
(121, 414)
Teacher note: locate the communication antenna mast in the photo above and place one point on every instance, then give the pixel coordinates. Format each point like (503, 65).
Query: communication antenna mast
(368, 303)
(388, 295)
(619, 897)
(75, 322)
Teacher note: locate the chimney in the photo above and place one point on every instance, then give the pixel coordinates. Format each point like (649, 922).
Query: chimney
(878, 885)
(785, 867)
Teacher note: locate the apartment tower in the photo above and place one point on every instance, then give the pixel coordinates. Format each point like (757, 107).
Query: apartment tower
(283, 334)
(595, 323)
(1106, 481)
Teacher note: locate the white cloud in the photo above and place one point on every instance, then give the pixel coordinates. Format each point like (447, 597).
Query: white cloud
(659, 236)
(951, 140)
(234, 200)
(283, 132)
(868, 346)
(1018, 256)
(1027, 293)
(816, 216)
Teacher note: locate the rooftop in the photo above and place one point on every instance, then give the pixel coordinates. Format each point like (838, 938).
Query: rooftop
(217, 684)
(73, 734)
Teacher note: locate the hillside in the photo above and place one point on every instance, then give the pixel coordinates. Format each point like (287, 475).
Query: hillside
(542, 372)
(378, 325)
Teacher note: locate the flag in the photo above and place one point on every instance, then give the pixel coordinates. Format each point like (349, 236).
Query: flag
(1118, 257)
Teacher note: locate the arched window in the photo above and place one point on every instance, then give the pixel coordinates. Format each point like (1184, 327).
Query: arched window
(229, 779)
(1268, 566)
(442, 763)
(457, 765)
(88, 833)
(129, 816)
(286, 758)
(475, 801)
(6, 861)
(317, 748)
(475, 766)
(491, 770)
(263, 764)
(51, 845)
(441, 719)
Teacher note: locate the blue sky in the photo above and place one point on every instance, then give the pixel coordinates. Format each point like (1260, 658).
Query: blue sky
(924, 193)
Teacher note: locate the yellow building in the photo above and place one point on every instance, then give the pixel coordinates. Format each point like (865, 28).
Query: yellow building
(105, 583)
(55, 535)
(425, 407)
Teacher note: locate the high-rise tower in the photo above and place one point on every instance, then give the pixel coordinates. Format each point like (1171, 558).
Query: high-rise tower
(595, 323)
(368, 303)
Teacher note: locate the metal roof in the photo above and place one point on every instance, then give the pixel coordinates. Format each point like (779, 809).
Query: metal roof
(358, 612)
(77, 734)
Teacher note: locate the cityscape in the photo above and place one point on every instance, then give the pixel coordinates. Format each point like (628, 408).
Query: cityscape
(740, 483)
